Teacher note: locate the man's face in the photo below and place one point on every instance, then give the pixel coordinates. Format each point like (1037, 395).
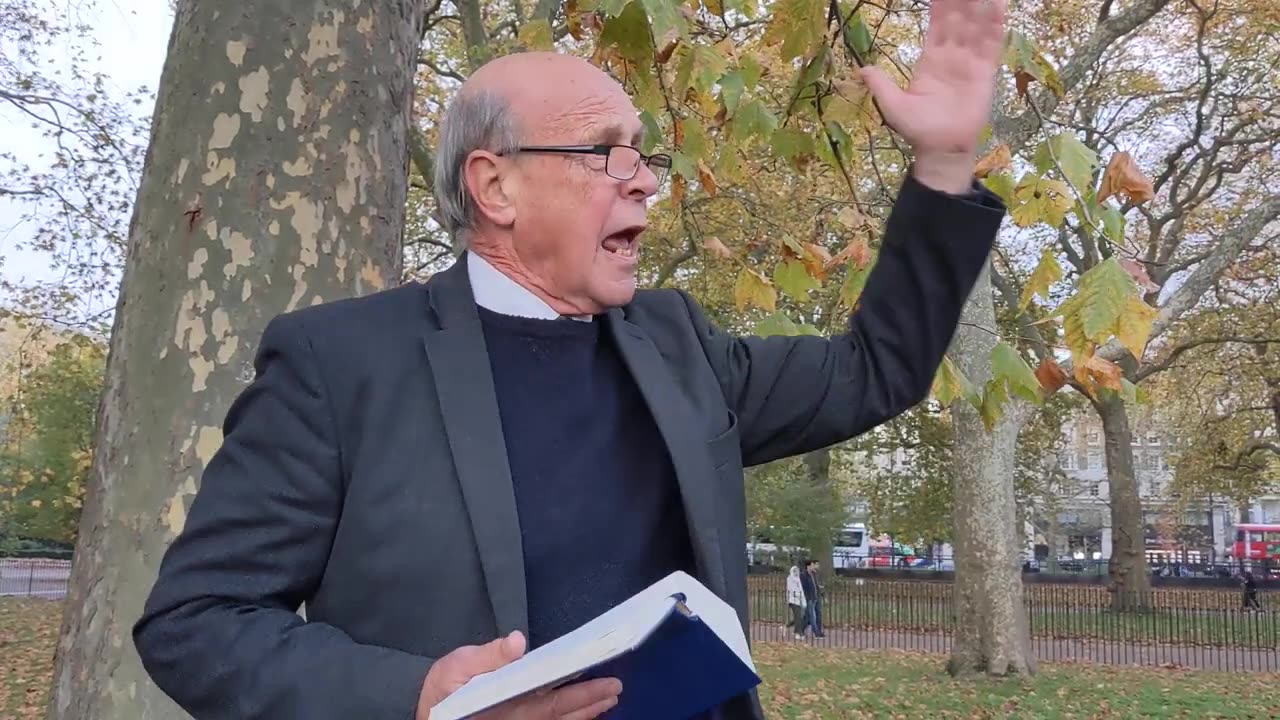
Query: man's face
(576, 229)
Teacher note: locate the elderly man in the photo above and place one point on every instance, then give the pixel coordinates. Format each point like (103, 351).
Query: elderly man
(450, 472)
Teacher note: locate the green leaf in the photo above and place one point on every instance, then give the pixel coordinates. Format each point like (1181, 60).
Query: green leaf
(611, 8)
(1047, 272)
(1076, 159)
(994, 397)
(1022, 55)
(793, 279)
(652, 132)
(790, 142)
(1104, 290)
(753, 118)
(1002, 185)
(666, 17)
(1008, 365)
(732, 85)
(753, 289)
(1113, 224)
(684, 165)
(857, 36)
(843, 142)
(536, 35)
(1130, 392)
(696, 144)
(776, 324)
(751, 71)
(855, 279)
(700, 68)
(629, 33)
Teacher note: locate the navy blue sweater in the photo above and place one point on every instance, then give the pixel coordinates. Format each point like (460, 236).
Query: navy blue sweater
(600, 510)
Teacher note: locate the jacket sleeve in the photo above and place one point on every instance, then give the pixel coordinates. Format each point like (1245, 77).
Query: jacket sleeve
(798, 394)
(220, 632)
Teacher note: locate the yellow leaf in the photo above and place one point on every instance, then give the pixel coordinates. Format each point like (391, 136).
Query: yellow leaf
(717, 248)
(1123, 177)
(707, 179)
(996, 160)
(1041, 199)
(1074, 336)
(753, 288)
(536, 35)
(1133, 327)
(1047, 272)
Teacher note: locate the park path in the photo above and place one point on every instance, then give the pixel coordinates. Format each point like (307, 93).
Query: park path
(1095, 651)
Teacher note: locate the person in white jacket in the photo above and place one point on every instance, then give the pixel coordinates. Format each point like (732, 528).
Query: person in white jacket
(795, 600)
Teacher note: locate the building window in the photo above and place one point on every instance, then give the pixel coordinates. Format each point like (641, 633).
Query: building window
(1093, 437)
(1095, 460)
(1095, 489)
(1153, 439)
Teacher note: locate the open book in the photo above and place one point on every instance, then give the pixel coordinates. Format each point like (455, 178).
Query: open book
(677, 648)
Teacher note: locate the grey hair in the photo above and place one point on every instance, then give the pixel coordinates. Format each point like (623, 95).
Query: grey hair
(476, 120)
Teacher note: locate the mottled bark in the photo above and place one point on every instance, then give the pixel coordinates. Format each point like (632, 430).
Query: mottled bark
(992, 632)
(276, 178)
(1130, 583)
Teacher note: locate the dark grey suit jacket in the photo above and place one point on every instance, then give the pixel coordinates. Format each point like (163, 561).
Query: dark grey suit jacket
(363, 472)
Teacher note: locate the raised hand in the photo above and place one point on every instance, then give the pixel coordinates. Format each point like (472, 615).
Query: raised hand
(943, 110)
(581, 701)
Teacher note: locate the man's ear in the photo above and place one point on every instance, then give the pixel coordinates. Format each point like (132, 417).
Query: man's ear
(488, 178)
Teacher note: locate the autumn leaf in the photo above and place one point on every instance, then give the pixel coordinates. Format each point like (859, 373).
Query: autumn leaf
(792, 143)
(628, 33)
(820, 254)
(857, 37)
(1123, 177)
(796, 25)
(1028, 63)
(1040, 199)
(949, 384)
(717, 248)
(536, 35)
(1073, 334)
(794, 279)
(779, 324)
(707, 179)
(1113, 224)
(1133, 326)
(1105, 373)
(994, 397)
(1051, 376)
(753, 288)
(1002, 185)
(997, 159)
(1047, 272)
(856, 252)
(850, 217)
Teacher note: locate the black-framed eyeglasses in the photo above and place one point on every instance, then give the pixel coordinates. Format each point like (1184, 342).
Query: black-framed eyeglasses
(622, 162)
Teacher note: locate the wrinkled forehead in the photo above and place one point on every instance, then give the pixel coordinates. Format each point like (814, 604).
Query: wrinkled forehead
(583, 113)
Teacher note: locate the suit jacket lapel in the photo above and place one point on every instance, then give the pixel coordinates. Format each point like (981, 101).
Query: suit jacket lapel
(469, 406)
(671, 412)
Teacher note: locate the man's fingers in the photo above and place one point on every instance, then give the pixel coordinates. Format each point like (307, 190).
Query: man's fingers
(467, 662)
(579, 701)
(593, 712)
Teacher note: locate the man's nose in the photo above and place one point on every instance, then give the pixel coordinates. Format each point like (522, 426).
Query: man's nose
(643, 185)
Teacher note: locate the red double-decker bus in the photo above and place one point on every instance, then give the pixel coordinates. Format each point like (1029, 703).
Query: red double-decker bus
(1257, 542)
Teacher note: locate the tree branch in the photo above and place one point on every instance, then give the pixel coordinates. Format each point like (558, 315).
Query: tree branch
(1176, 352)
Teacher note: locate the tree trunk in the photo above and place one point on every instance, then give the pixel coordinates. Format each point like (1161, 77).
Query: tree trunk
(818, 466)
(992, 632)
(276, 178)
(1130, 584)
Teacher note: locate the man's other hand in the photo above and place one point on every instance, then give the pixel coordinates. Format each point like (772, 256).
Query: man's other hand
(582, 701)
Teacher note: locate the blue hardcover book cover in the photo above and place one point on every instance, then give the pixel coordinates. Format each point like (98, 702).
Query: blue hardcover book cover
(677, 648)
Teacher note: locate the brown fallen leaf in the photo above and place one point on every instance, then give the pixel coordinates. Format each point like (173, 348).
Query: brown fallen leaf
(997, 159)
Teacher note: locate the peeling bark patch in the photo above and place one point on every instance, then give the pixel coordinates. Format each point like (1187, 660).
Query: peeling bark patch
(254, 88)
(353, 183)
(296, 101)
(183, 164)
(176, 513)
(280, 123)
(218, 169)
(246, 290)
(323, 40)
(218, 88)
(369, 274)
(235, 52)
(274, 229)
(307, 221)
(297, 168)
(241, 250)
(196, 266)
(299, 287)
(228, 343)
(225, 129)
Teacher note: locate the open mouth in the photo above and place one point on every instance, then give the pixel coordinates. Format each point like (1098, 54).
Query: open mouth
(625, 244)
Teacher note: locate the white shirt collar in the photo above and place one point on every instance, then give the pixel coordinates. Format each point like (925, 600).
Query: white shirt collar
(496, 292)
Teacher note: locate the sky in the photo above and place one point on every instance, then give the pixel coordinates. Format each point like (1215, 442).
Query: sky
(132, 37)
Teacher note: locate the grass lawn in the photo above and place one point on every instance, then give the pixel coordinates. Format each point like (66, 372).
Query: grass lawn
(808, 683)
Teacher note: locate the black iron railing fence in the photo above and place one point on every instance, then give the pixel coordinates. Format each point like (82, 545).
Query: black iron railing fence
(1208, 629)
